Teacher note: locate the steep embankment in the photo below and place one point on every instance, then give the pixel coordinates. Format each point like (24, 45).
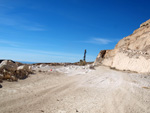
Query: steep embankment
(131, 53)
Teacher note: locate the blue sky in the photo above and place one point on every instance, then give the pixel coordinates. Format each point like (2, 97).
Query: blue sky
(60, 30)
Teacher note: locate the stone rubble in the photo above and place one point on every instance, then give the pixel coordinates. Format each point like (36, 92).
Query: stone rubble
(11, 71)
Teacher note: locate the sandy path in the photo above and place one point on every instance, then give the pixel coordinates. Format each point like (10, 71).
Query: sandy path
(99, 91)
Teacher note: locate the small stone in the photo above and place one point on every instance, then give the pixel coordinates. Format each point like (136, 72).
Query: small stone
(1, 86)
(42, 110)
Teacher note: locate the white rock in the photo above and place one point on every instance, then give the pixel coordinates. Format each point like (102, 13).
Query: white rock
(25, 67)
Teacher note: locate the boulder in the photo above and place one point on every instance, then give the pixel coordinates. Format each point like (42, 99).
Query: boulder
(12, 71)
(10, 76)
(21, 74)
(23, 71)
(8, 65)
(26, 68)
(23, 67)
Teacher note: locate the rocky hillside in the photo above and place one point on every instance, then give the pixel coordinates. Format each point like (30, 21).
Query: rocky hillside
(131, 53)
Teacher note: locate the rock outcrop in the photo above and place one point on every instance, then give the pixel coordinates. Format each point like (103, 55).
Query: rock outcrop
(132, 53)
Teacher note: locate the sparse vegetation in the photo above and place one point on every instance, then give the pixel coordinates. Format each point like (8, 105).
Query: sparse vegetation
(146, 87)
(82, 63)
(40, 71)
(92, 67)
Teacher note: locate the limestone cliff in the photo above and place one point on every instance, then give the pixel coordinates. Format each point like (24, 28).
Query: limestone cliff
(131, 53)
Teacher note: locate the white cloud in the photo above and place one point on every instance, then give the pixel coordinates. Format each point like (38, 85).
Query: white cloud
(20, 54)
(31, 55)
(16, 47)
(16, 51)
(20, 23)
(10, 43)
(17, 21)
(99, 41)
(102, 40)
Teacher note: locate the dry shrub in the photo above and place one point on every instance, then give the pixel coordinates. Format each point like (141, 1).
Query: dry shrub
(10, 76)
(91, 67)
(12, 72)
(40, 71)
(112, 68)
(146, 87)
(82, 63)
(21, 74)
(14, 75)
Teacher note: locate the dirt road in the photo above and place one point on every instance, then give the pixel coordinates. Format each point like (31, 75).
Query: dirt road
(99, 91)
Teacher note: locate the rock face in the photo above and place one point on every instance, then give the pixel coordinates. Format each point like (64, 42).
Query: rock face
(131, 53)
(100, 57)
